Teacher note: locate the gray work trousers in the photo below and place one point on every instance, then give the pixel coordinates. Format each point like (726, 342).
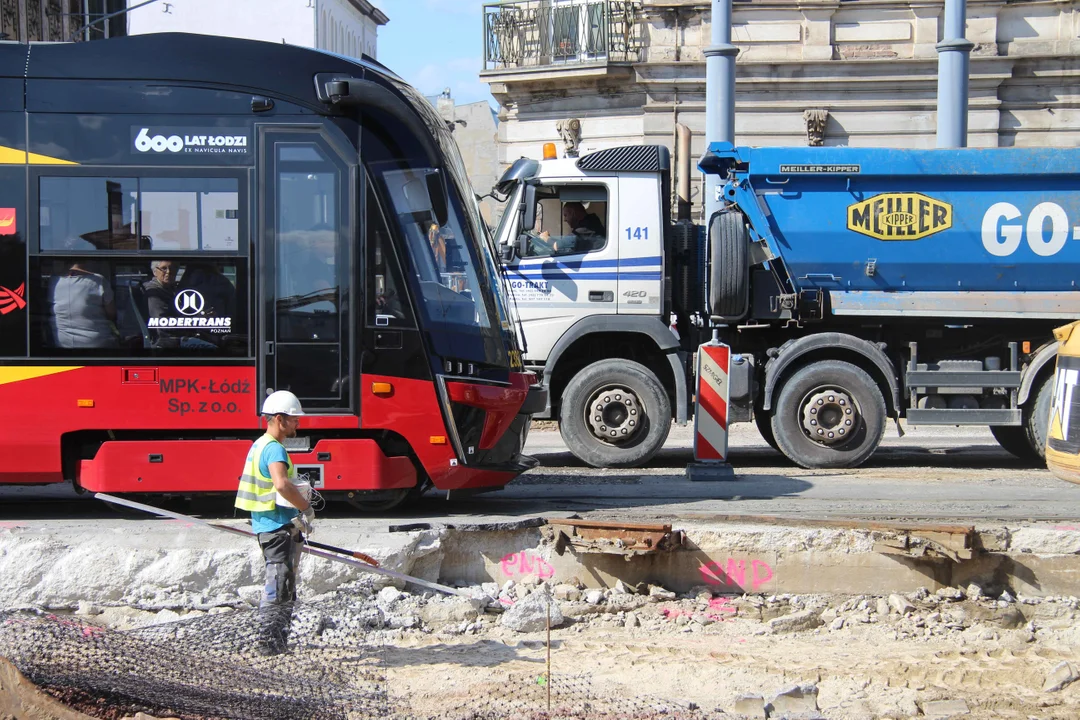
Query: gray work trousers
(281, 550)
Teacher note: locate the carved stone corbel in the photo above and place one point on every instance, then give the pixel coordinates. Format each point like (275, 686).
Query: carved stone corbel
(570, 132)
(815, 120)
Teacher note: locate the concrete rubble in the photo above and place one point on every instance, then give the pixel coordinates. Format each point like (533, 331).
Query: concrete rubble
(976, 625)
(961, 619)
(1062, 674)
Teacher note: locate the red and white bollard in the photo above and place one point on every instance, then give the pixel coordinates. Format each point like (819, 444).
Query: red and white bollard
(711, 414)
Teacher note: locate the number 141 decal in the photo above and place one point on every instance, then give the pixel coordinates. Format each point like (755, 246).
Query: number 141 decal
(638, 233)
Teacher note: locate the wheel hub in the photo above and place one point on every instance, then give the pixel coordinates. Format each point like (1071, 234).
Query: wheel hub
(830, 417)
(614, 414)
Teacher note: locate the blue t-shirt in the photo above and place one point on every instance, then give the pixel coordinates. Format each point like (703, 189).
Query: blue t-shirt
(270, 520)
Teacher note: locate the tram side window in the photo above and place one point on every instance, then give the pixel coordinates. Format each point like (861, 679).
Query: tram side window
(87, 214)
(157, 306)
(106, 284)
(189, 213)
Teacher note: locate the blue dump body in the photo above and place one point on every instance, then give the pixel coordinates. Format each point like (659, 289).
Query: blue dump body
(867, 221)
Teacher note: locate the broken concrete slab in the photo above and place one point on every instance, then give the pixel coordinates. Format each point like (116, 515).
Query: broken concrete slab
(439, 613)
(531, 614)
(1063, 674)
(751, 707)
(941, 709)
(802, 620)
(565, 591)
(794, 701)
(900, 604)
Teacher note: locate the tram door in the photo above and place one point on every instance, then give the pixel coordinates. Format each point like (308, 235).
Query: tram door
(306, 303)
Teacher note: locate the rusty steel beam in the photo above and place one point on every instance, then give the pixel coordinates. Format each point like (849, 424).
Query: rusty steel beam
(597, 536)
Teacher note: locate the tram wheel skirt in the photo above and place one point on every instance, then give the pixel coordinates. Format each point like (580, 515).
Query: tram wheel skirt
(185, 466)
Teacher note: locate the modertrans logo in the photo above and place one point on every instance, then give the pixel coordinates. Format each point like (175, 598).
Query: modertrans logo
(899, 216)
(190, 304)
(209, 141)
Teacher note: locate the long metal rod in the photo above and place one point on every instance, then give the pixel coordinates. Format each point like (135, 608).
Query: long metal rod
(306, 548)
(719, 92)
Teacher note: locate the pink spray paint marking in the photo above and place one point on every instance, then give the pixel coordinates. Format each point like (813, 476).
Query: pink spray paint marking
(734, 574)
(1066, 527)
(524, 563)
(718, 610)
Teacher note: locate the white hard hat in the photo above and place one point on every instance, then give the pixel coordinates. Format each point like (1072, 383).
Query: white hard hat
(282, 402)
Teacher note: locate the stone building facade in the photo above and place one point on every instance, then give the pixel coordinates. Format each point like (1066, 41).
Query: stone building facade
(58, 20)
(346, 27)
(476, 132)
(859, 72)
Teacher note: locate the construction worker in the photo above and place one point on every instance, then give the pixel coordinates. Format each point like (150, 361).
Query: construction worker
(267, 484)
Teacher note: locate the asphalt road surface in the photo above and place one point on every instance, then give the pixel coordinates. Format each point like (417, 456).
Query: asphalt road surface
(931, 474)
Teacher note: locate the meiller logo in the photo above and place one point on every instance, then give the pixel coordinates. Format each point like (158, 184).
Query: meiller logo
(180, 140)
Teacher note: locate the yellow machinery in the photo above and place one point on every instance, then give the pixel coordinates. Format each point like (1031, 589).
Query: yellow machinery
(1063, 437)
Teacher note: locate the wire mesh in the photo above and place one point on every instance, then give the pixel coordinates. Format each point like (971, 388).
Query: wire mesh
(207, 667)
(562, 697)
(213, 667)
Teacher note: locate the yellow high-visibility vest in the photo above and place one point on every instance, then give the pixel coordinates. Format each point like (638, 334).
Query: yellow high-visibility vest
(256, 492)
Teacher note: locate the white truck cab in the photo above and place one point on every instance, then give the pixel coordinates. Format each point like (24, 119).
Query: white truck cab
(583, 245)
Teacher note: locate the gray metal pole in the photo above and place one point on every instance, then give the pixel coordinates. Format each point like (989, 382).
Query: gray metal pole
(953, 52)
(719, 92)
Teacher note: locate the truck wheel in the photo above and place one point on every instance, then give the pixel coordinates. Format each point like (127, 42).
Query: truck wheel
(763, 420)
(1037, 418)
(615, 414)
(729, 294)
(1014, 439)
(829, 414)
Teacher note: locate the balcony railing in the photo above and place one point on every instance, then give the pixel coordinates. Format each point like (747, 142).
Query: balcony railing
(538, 33)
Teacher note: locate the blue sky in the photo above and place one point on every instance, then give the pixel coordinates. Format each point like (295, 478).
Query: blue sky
(435, 44)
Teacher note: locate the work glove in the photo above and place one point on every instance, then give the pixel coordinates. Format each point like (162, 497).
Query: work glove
(305, 521)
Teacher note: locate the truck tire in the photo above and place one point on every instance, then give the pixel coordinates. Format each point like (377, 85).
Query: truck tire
(1014, 439)
(615, 414)
(1037, 418)
(829, 414)
(729, 289)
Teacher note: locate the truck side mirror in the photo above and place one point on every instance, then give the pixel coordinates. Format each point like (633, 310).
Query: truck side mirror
(528, 210)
